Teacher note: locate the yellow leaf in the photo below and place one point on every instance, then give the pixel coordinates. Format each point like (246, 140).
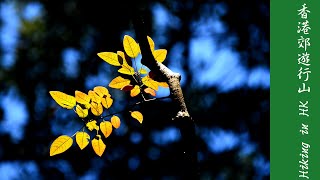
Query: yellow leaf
(107, 102)
(82, 113)
(143, 71)
(119, 82)
(137, 115)
(151, 43)
(98, 146)
(106, 128)
(94, 96)
(101, 91)
(110, 57)
(130, 46)
(82, 98)
(115, 121)
(126, 69)
(150, 82)
(92, 125)
(135, 91)
(96, 108)
(160, 55)
(60, 145)
(82, 139)
(64, 100)
(163, 84)
(150, 91)
(121, 54)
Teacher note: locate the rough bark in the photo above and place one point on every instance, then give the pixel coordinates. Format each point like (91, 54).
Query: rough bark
(182, 118)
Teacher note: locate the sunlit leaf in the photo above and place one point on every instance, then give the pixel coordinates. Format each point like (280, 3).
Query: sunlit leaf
(107, 102)
(110, 57)
(119, 82)
(94, 96)
(82, 113)
(115, 121)
(91, 125)
(127, 88)
(135, 91)
(121, 54)
(150, 91)
(96, 108)
(137, 115)
(151, 43)
(101, 91)
(125, 58)
(160, 55)
(126, 69)
(143, 71)
(82, 98)
(153, 76)
(82, 139)
(106, 128)
(130, 46)
(60, 145)
(98, 146)
(150, 82)
(64, 100)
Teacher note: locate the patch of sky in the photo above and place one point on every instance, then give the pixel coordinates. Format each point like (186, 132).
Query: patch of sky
(116, 153)
(175, 60)
(87, 42)
(71, 59)
(64, 167)
(262, 166)
(133, 162)
(220, 140)
(90, 175)
(163, 20)
(15, 115)
(32, 11)
(135, 137)
(208, 26)
(162, 92)
(103, 78)
(65, 122)
(41, 102)
(93, 172)
(259, 77)
(9, 33)
(222, 68)
(166, 136)
(19, 170)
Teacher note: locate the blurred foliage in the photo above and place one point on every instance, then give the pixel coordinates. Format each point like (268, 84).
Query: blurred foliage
(96, 26)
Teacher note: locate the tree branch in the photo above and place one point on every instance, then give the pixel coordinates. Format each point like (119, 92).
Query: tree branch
(182, 117)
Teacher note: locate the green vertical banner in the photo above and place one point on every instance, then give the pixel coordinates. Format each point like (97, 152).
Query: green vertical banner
(295, 89)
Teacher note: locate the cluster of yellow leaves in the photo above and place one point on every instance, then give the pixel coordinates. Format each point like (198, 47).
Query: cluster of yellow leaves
(90, 106)
(64, 142)
(95, 100)
(132, 50)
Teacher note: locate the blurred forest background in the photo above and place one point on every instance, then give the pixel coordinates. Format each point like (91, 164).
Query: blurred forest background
(221, 49)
